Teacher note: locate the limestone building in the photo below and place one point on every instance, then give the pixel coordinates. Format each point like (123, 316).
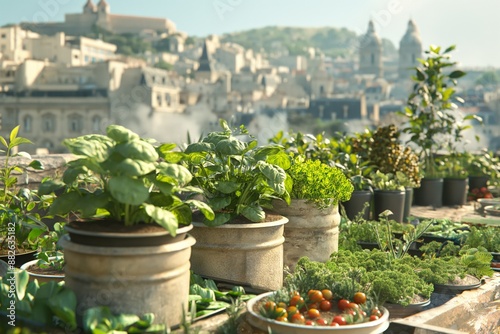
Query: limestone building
(99, 15)
(410, 50)
(370, 53)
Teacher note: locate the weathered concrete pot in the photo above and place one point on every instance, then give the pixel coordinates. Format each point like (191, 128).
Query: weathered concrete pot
(133, 280)
(310, 232)
(247, 254)
(41, 278)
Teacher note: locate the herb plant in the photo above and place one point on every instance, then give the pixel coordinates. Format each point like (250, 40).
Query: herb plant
(19, 220)
(318, 183)
(237, 177)
(131, 180)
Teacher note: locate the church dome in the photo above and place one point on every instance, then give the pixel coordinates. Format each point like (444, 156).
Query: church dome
(371, 37)
(412, 35)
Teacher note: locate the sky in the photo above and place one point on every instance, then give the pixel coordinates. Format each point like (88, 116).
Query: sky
(473, 26)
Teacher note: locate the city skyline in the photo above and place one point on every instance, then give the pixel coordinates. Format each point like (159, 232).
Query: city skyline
(442, 23)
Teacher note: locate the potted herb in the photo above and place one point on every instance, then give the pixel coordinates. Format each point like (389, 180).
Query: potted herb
(481, 168)
(131, 224)
(239, 180)
(20, 224)
(432, 119)
(389, 194)
(316, 190)
(49, 265)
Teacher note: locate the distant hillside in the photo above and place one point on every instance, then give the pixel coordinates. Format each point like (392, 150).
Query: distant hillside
(332, 41)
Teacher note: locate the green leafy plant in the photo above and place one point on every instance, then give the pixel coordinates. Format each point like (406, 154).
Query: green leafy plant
(238, 178)
(100, 320)
(453, 165)
(433, 122)
(124, 178)
(484, 236)
(484, 163)
(50, 254)
(38, 307)
(385, 181)
(318, 183)
(20, 223)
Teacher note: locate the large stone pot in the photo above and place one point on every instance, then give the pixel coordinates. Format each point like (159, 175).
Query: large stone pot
(247, 254)
(309, 232)
(133, 280)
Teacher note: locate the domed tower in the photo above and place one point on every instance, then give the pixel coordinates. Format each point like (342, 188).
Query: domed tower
(103, 7)
(89, 7)
(370, 52)
(410, 50)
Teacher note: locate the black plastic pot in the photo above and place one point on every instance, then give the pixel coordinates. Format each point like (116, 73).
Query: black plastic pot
(454, 191)
(393, 200)
(430, 193)
(357, 203)
(408, 203)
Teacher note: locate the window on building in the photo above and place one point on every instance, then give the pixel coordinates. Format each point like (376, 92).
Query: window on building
(159, 99)
(4, 36)
(27, 123)
(75, 124)
(96, 124)
(48, 123)
(168, 99)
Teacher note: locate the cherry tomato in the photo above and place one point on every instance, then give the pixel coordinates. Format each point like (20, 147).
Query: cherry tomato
(315, 296)
(282, 312)
(327, 294)
(282, 305)
(359, 298)
(296, 300)
(298, 318)
(374, 317)
(339, 320)
(334, 324)
(282, 319)
(376, 311)
(313, 305)
(291, 310)
(353, 306)
(309, 323)
(343, 304)
(270, 305)
(313, 313)
(325, 305)
(321, 322)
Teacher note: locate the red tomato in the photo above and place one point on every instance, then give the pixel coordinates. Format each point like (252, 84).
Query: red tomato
(296, 300)
(298, 318)
(374, 317)
(282, 319)
(309, 323)
(325, 306)
(359, 298)
(327, 294)
(315, 296)
(270, 305)
(376, 311)
(291, 310)
(339, 320)
(343, 304)
(321, 322)
(353, 306)
(313, 313)
(334, 324)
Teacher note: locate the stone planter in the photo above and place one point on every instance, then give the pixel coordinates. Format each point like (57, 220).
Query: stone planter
(246, 254)
(41, 278)
(309, 232)
(133, 280)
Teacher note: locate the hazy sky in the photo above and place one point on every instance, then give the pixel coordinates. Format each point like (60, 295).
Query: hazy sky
(474, 26)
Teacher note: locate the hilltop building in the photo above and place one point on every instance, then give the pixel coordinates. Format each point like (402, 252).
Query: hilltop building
(370, 53)
(99, 15)
(410, 50)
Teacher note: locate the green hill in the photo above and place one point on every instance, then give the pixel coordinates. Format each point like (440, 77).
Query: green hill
(332, 41)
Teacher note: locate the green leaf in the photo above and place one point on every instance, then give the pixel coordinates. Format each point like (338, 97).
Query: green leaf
(457, 74)
(203, 207)
(121, 134)
(219, 203)
(49, 186)
(132, 167)
(63, 304)
(92, 317)
(162, 217)
(176, 174)
(230, 146)
(275, 176)
(97, 147)
(22, 279)
(220, 219)
(127, 190)
(281, 159)
(138, 150)
(227, 187)
(253, 213)
(199, 147)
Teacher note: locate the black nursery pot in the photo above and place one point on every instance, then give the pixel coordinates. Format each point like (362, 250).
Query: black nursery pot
(454, 191)
(408, 203)
(477, 182)
(430, 192)
(393, 200)
(357, 203)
